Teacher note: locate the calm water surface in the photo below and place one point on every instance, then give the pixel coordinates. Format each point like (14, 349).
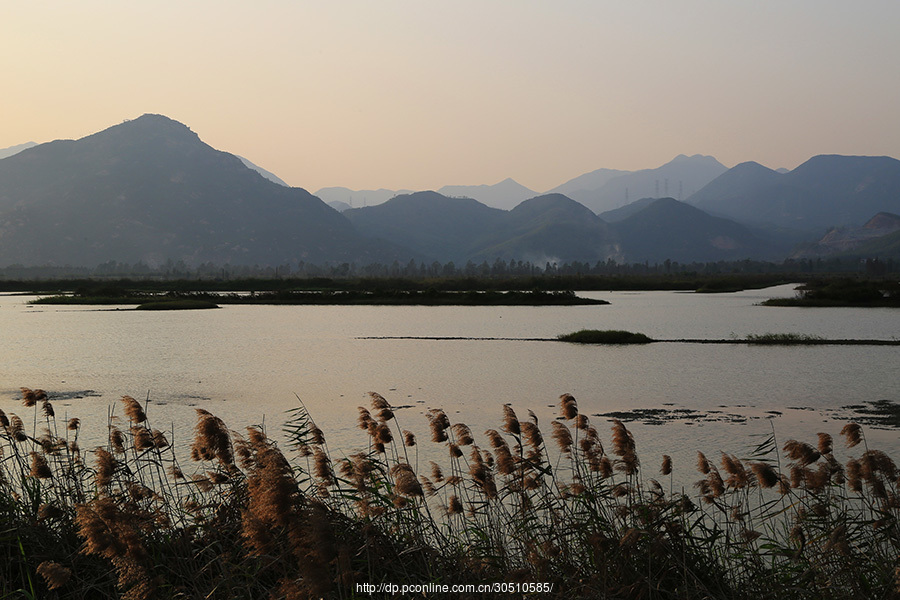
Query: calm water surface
(248, 364)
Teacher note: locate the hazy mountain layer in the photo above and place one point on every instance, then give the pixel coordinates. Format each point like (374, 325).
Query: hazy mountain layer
(679, 178)
(430, 224)
(586, 184)
(547, 228)
(358, 198)
(555, 228)
(150, 190)
(5, 152)
(267, 174)
(550, 228)
(669, 229)
(506, 195)
(823, 192)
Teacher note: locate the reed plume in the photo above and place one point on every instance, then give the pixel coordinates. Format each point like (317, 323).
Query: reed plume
(568, 408)
(439, 424)
(666, 468)
(16, 429)
(510, 421)
(852, 433)
(116, 440)
(39, 467)
(409, 438)
(133, 410)
(563, 437)
(405, 481)
(766, 475)
(211, 439)
(54, 574)
(801, 452)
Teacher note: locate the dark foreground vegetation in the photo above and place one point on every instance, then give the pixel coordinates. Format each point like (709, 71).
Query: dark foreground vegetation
(240, 518)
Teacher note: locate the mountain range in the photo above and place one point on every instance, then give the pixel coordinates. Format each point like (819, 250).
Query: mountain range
(824, 192)
(550, 228)
(600, 190)
(555, 228)
(149, 190)
(678, 178)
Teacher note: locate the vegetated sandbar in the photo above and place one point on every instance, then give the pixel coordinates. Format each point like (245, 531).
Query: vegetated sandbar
(620, 338)
(843, 292)
(345, 298)
(186, 304)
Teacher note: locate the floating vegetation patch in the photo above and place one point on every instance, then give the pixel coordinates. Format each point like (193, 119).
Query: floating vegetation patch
(880, 413)
(75, 395)
(783, 339)
(660, 416)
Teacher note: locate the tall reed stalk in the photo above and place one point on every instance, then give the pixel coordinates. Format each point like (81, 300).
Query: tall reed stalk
(242, 519)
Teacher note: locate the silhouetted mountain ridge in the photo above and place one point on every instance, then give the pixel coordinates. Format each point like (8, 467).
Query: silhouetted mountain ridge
(150, 190)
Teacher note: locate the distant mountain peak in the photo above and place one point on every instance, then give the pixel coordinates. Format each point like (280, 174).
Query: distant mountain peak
(605, 190)
(148, 126)
(825, 191)
(12, 150)
(505, 194)
(693, 157)
(149, 190)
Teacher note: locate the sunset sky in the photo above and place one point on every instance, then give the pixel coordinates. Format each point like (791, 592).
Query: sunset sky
(420, 94)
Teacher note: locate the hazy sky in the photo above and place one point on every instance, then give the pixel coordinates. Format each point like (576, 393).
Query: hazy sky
(420, 94)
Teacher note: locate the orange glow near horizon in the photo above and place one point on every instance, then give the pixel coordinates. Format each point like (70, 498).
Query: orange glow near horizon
(404, 94)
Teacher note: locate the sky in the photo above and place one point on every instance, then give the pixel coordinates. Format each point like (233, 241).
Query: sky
(419, 94)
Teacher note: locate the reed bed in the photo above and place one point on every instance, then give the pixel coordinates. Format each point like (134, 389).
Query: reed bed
(241, 518)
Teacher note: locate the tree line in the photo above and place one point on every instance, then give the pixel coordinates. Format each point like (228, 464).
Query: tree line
(413, 269)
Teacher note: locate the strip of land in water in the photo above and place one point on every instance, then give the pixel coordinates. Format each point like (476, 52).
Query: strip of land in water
(745, 341)
(341, 298)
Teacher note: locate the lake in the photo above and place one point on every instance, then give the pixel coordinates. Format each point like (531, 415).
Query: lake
(249, 364)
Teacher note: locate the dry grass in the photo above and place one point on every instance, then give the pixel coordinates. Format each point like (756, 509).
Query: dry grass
(242, 520)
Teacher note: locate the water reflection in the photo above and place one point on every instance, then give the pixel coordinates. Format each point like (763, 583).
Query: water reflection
(246, 363)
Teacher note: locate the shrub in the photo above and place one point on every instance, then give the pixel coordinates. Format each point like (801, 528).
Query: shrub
(608, 336)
